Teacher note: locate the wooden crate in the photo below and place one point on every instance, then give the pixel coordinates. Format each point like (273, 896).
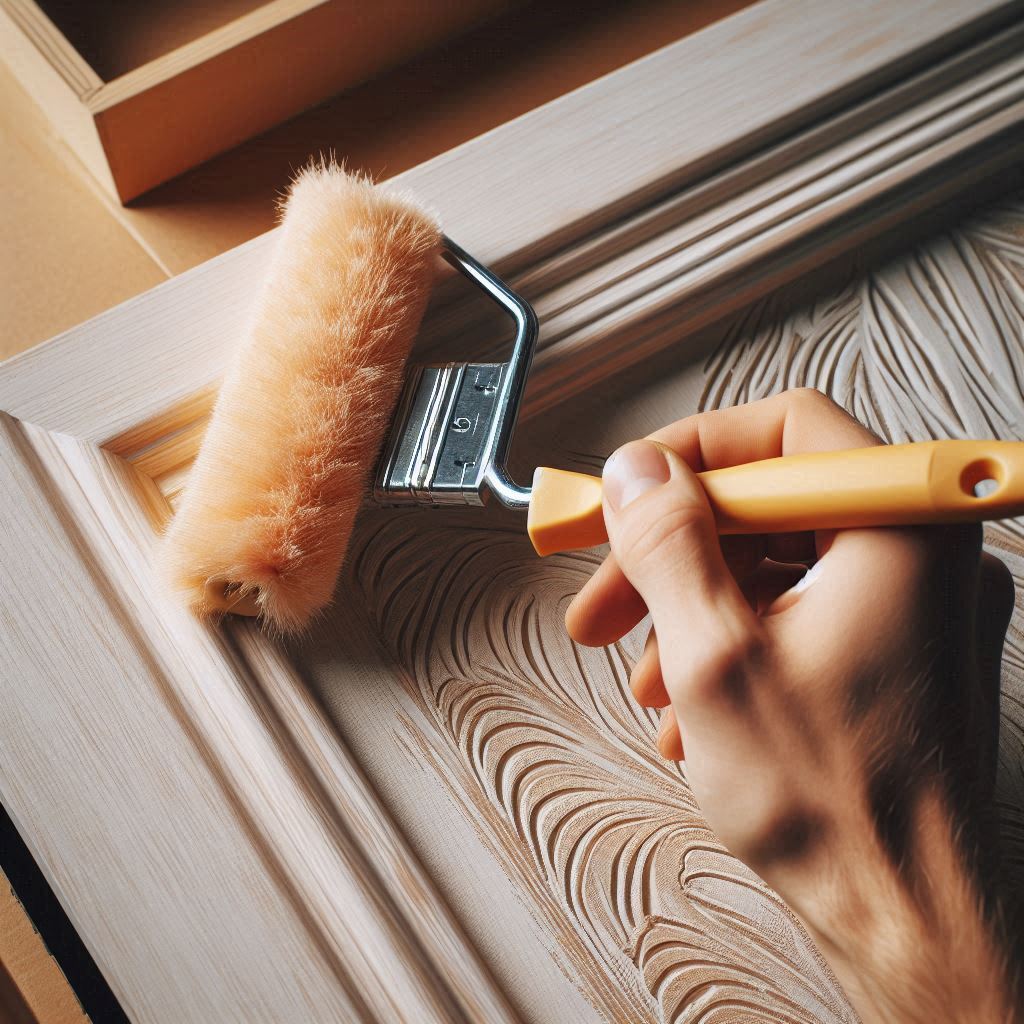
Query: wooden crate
(142, 92)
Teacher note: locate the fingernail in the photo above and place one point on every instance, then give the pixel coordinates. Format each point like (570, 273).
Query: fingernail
(634, 469)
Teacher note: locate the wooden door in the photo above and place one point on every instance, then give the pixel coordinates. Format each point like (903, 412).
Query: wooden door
(435, 807)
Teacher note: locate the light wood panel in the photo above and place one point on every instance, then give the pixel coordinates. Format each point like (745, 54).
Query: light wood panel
(645, 134)
(435, 807)
(541, 740)
(395, 121)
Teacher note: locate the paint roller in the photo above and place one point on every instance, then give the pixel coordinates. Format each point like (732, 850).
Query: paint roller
(319, 385)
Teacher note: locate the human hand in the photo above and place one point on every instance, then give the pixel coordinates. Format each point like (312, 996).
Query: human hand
(839, 734)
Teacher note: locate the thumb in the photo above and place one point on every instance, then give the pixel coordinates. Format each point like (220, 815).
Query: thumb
(663, 536)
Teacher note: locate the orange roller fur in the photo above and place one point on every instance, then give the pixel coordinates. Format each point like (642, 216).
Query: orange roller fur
(269, 505)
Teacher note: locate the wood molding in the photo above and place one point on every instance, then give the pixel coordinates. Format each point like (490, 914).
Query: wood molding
(336, 830)
(628, 149)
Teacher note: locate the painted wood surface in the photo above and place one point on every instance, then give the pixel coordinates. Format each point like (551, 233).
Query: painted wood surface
(540, 740)
(436, 808)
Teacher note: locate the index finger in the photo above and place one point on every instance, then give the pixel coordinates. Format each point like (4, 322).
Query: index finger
(801, 420)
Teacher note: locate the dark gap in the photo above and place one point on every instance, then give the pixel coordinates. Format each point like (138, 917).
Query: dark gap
(57, 932)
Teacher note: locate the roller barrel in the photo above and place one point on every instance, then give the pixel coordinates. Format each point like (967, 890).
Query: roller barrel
(268, 508)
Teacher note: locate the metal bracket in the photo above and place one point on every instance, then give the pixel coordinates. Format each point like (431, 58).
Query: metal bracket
(454, 423)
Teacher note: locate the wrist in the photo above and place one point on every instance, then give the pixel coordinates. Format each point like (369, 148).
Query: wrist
(908, 939)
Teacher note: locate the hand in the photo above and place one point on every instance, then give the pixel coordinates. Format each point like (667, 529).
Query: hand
(839, 733)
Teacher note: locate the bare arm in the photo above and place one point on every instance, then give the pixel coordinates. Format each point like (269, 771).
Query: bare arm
(840, 734)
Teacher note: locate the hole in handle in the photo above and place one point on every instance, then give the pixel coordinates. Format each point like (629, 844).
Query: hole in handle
(981, 478)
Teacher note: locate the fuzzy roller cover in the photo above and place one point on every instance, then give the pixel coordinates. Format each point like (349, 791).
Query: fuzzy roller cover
(269, 505)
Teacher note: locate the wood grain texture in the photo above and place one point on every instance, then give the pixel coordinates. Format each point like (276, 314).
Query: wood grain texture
(931, 346)
(540, 740)
(270, 853)
(654, 223)
(435, 808)
(549, 752)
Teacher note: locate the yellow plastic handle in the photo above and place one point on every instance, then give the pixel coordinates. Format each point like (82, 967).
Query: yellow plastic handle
(888, 485)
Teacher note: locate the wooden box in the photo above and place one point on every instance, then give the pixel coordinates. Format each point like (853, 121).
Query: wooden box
(142, 92)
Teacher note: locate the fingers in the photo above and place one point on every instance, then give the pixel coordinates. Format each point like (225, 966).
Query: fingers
(663, 536)
(606, 609)
(793, 421)
(608, 606)
(670, 741)
(801, 420)
(770, 588)
(617, 596)
(645, 681)
(649, 690)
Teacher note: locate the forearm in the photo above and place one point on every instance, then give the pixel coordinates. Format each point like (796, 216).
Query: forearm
(909, 941)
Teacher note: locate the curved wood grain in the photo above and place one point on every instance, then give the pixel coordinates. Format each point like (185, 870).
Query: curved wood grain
(928, 346)
(560, 762)
(541, 740)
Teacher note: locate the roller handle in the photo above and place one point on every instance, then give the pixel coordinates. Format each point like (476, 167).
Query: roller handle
(887, 485)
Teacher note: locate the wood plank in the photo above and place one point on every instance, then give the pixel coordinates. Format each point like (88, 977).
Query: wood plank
(194, 93)
(36, 991)
(396, 120)
(162, 341)
(54, 49)
(57, 80)
(272, 861)
(202, 99)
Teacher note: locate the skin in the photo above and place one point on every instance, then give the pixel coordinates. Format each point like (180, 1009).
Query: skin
(839, 734)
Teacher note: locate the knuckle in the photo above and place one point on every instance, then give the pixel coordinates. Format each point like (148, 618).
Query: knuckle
(812, 398)
(721, 673)
(782, 832)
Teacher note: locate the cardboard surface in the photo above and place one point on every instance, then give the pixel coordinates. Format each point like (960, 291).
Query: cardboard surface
(32, 986)
(65, 255)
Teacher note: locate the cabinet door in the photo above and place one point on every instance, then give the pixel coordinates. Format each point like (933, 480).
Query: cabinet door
(434, 807)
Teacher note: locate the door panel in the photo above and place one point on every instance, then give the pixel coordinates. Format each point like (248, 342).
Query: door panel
(434, 807)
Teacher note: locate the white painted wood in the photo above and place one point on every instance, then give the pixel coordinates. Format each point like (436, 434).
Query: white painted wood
(435, 808)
